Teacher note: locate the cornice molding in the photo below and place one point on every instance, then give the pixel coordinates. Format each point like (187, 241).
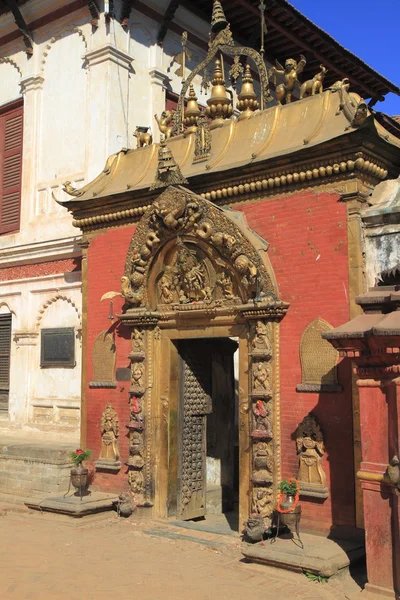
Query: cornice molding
(39, 252)
(110, 53)
(31, 82)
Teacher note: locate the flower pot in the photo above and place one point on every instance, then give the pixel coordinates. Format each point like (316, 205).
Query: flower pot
(290, 518)
(80, 479)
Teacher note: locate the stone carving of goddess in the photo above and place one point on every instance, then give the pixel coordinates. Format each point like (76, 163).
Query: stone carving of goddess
(310, 448)
(109, 433)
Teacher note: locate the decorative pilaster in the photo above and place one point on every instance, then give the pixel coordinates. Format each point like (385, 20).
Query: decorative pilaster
(109, 69)
(159, 81)
(262, 420)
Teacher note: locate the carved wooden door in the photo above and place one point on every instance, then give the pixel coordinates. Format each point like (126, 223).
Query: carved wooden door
(195, 404)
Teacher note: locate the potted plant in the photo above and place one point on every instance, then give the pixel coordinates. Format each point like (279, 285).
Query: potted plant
(289, 507)
(79, 473)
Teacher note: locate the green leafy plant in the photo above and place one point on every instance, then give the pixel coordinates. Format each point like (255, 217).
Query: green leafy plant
(79, 455)
(316, 578)
(288, 486)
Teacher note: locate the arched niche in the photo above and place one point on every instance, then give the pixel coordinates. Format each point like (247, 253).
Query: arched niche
(185, 250)
(318, 360)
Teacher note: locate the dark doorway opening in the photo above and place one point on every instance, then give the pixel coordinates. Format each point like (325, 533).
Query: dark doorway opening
(208, 480)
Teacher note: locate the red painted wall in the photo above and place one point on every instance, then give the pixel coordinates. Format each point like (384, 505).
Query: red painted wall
(307, 234)
(106, 264)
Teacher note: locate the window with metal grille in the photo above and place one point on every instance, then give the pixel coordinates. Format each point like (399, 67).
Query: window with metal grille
(57, 347)
(11, 126)
(5, 350)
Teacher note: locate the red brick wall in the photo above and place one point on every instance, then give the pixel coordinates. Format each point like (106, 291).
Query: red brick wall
(39, 269)
(308, 250)
(106, 264)
(307, 234)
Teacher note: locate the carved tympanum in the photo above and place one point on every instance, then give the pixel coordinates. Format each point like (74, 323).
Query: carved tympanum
(310, 449)
(189, 250)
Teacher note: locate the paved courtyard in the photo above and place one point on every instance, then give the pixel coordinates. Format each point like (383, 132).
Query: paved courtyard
(44, 556)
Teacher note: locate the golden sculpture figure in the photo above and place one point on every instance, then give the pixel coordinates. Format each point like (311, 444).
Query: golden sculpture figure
(164, 123)
(315, 85)
(109, 434)
(290, 71)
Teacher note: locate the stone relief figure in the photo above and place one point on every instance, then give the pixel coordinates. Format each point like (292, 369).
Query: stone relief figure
(263, 463)
(136, 412)
(109, 427)
(138, 375)
(261, 414)
(310, 448)
(226, 285)
(136, 481)
(166, 287)
(261, 343)
(290, 71)
(262, 501)
(138, 341)
(261, 377)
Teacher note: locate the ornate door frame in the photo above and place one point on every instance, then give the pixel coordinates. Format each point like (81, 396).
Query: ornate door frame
(197, 271)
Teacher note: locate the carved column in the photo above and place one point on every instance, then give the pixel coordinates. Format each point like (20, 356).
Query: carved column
(31, 88)
(108, 129)
(261, 411)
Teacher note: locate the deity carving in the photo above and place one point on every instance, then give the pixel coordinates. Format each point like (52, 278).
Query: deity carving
(136, 413)
(262, 421)
(136, 481)
(310, 449)
(138, 341)
(262, 501)
(202, 144)
(261, 374)
(261, 344)
(290, 71)
(137, 377)
(225, 282)
(109, 434)
(193, 285)
(262, 463)
(166, 287)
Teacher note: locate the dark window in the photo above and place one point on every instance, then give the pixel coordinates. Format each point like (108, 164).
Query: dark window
(58, 347)
(5, 349)
(11, 126)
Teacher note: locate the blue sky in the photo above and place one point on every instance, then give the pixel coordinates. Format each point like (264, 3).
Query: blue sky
(369, 28)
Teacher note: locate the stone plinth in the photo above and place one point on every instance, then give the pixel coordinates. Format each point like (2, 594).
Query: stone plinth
(319, 556)
(74, 506)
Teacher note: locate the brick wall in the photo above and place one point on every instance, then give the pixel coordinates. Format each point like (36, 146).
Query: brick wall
(106, 264)
(53, 267)
(307, 234)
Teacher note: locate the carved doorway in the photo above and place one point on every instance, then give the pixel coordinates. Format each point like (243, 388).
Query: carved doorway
(207, 428)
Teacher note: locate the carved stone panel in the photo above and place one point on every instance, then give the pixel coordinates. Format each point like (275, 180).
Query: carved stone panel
(318, 360)
(109, 454)
(103, 357)
(310, 449)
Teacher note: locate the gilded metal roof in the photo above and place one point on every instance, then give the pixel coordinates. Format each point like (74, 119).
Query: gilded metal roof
(274, 133)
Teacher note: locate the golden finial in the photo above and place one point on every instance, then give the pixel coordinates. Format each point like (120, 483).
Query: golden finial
(247, 99)
(218, 20)
(219, 104)
(168, 172)
(192, 112)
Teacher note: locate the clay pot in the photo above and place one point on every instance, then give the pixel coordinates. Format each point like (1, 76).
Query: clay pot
(80, 479)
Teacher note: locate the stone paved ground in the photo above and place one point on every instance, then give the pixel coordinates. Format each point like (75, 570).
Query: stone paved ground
(50, 557)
